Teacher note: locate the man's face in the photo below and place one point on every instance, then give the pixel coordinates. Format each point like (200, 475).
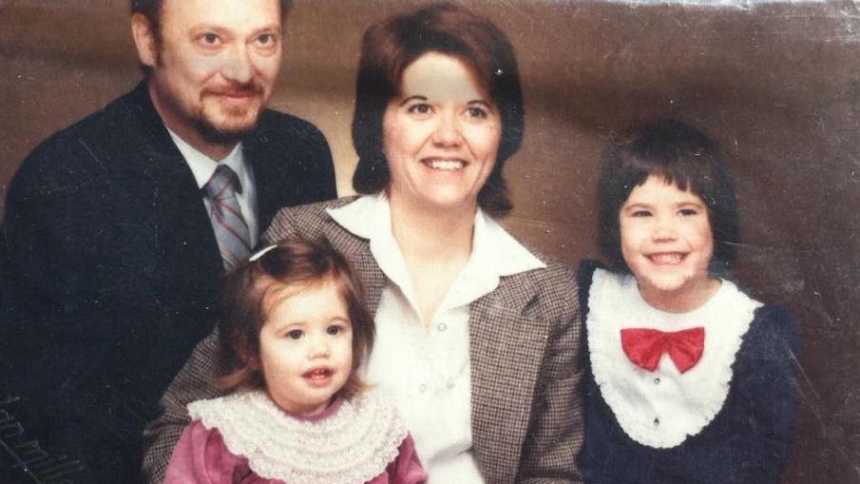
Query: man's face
(215, 65)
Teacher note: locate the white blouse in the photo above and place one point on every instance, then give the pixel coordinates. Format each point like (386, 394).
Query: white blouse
(426, 372)
(662, 408)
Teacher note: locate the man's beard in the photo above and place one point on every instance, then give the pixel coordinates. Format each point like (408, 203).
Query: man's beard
(227, 132)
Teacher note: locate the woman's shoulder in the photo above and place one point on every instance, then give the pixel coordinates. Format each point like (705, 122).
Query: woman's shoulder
(553, 287)
(311, 220)
(310, 211)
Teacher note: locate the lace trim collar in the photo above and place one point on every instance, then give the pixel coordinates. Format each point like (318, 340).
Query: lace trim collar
(662, 408)
(354, 445)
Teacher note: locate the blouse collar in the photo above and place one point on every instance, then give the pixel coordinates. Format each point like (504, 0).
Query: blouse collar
(495, 253)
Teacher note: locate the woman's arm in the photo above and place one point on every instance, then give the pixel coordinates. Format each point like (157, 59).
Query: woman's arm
(556, 430)
(194, 382)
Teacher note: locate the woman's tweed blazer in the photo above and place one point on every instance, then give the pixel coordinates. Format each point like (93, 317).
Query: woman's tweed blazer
(525, 355)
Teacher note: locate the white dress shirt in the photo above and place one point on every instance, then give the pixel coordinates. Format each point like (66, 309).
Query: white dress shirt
(426, 372)
(204, 167)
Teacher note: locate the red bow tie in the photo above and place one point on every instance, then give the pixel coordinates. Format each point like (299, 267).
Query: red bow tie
(644, 347)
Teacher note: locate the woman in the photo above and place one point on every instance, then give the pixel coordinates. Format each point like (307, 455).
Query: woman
(477, 338)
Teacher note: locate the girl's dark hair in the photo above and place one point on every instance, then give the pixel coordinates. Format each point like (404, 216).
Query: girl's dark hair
(681, 155)
(251, 290)
(390, 46)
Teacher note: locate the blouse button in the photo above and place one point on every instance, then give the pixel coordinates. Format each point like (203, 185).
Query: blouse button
(656, 421)
(442, 327)
(657, 381)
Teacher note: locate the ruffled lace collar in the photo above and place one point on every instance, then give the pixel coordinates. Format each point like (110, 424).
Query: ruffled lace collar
(662, 408)
(353, 445)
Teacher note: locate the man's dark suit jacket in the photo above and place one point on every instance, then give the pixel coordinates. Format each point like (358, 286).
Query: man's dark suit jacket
(112, 271)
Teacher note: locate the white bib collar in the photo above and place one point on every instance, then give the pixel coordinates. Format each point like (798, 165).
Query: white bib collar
(662, 408)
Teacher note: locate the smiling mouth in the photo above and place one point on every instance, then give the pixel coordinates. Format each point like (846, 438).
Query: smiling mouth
(667, 258)
(444, 164)
(318, 376)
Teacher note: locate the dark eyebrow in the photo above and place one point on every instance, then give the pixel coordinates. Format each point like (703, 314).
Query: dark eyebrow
(221, 30)
(208, 28)
(415, 97)
(268, 29)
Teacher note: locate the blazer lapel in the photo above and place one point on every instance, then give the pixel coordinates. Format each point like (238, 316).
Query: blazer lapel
(358, 253)
(506, 349)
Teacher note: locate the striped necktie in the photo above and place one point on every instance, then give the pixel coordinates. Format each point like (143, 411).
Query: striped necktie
(231, 230)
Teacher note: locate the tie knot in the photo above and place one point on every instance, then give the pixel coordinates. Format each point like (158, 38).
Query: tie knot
(224, 183)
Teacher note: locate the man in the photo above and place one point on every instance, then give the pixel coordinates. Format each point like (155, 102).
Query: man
(120, 227)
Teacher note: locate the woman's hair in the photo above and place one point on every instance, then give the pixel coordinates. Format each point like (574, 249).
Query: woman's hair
(253, 289)
(390, 46)
(681, 155)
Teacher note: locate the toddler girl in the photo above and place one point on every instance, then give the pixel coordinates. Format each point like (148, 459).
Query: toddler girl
(690, 380)
(293, 336)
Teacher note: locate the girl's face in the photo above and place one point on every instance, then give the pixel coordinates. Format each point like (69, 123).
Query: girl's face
(306, 348)
(667, 242)
(441, 135)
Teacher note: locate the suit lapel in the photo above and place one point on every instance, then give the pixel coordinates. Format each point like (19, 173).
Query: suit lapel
(182, 237)
(268, 180)
(156, 187)
(506, 349)
(179, 202)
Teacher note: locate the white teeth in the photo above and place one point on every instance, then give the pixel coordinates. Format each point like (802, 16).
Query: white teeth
(673, 258)
(449, 165)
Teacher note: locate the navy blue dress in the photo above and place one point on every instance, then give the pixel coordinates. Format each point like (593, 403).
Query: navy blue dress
(746, 442)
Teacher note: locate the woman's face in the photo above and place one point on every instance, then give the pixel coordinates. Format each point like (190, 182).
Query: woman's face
(440, 136)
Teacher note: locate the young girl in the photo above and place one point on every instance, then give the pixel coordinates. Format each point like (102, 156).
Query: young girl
(293, 336)
(691, 380)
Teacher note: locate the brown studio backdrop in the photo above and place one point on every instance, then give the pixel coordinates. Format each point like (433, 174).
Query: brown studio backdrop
(777, 84)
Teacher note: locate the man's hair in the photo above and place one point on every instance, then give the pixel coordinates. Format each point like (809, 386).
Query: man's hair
(254, 288)
(681, 155)
(151, 9)
(390, 46)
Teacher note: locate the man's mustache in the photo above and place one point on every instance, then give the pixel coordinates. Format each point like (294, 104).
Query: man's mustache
(248, 89)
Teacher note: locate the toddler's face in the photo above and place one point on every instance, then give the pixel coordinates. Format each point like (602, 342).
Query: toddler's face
(666, 240)
(306, 348)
